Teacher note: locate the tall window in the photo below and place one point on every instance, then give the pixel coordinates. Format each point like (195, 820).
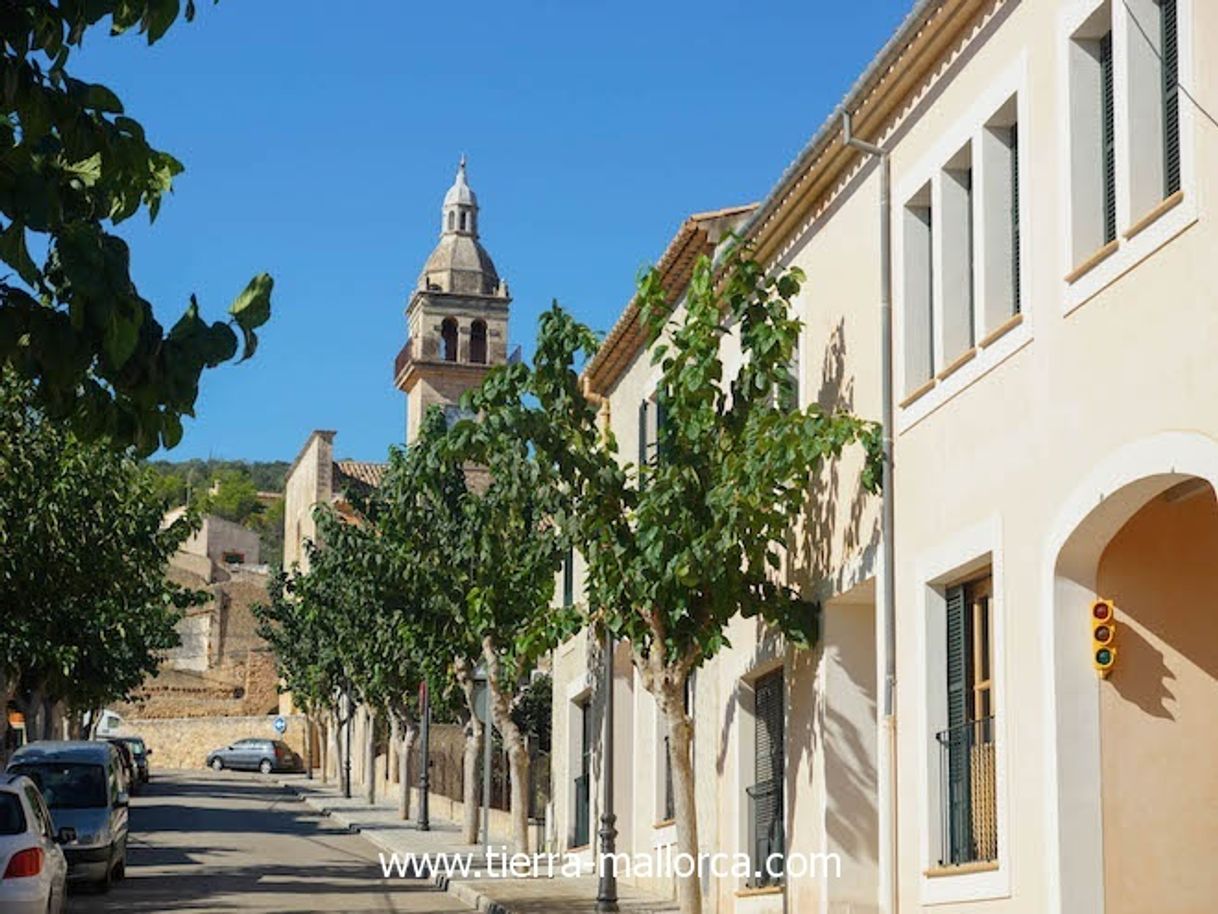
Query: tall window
(1092, 136)
(448, 339)
(966, 747)
(581, 833)
(765, 797)
(477, 342)
(919, 291)
(956, 190)
(568, 578)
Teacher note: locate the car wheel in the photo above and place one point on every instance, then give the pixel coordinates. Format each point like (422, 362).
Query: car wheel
(103, 885)
(120, 868)
(217, 764)
(265, 766)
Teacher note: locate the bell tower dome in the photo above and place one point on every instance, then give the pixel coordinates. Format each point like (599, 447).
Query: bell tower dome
(457, 315)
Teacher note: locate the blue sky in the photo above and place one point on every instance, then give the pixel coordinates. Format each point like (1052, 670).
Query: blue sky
(319, 139)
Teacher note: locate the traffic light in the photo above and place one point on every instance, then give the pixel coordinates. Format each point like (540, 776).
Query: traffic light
(1103, 636)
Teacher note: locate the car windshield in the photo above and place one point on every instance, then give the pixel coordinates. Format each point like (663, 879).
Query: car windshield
(12, 817)
(68, 785)
(136, 746)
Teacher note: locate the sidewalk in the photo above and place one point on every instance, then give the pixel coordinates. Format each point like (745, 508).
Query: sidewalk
(380, 825)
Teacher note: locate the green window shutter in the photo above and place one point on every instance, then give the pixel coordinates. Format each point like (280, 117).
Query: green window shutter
(643, 426)
(661, 421)
(1016, 253)
(568, 578)
(959, 714)
(1108, 139)
(1171, 96)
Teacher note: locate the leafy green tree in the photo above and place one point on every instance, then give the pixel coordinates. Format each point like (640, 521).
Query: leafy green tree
(72, 166)
(88, 610)
(679, 546)
(232, 496)
(419, 516)
(508, 551)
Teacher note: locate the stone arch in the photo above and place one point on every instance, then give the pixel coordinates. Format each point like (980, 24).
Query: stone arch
(448, 339)
(477, 342)
(1116, 495)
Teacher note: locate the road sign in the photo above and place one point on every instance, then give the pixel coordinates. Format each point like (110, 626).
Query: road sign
(281, 724)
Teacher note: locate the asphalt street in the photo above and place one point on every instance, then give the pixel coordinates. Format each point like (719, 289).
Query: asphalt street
(204, 841)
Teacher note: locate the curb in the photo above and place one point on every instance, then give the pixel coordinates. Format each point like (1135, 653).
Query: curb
(463, 893)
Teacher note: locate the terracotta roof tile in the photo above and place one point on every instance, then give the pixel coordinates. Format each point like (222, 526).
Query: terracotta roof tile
(359, 471)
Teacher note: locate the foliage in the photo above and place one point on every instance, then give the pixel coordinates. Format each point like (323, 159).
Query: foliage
(73, 165)
(88, 608)
(534, 713)
(678, 547)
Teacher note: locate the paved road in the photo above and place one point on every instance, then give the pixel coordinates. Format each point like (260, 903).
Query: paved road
(233, 842)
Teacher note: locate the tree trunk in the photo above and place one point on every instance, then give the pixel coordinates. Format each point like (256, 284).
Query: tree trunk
(473, 749)
(370, 755)
(308, 745)
(336, 745)
(323, 733)
(514, 745)
(671, 696)
(409, 738)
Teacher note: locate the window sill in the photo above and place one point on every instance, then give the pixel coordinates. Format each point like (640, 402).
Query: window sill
(579, 848)
(1001, 330)
(919, 393)
(663, 823)
(962, 360)
(1093, 261)
(761, 890)
(962, 869)
(1153, 216)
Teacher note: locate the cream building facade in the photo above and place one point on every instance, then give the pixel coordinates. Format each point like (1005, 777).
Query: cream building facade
(1053, 165)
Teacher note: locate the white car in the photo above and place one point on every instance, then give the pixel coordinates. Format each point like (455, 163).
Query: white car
(33, 871)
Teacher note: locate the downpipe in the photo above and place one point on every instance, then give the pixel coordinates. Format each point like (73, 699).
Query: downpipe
(886, 763)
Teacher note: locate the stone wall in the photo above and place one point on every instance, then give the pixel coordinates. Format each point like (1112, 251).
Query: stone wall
(183, 742)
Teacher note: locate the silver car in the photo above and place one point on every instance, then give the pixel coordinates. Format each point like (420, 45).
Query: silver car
(82, 783)
(33, 871)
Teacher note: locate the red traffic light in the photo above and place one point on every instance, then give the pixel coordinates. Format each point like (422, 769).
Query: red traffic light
(1101, 610)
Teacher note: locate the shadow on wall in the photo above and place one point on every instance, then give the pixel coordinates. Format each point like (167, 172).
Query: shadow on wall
(1161, 570)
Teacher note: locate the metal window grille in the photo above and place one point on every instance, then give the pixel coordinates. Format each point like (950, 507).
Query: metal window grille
(1108, 139)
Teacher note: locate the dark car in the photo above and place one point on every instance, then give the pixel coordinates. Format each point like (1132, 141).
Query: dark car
(128, 760)
(265, 755)
(139, 753)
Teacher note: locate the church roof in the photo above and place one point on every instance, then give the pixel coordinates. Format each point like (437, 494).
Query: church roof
(460, 264)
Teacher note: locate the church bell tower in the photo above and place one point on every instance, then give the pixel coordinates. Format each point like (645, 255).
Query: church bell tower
(457, 317)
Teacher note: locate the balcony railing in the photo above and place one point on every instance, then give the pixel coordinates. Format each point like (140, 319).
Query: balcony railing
(581, 836)
(404, 357)
(767, 840)
(968, 807)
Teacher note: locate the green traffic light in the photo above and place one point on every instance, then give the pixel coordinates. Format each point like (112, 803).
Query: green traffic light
(1103, 656)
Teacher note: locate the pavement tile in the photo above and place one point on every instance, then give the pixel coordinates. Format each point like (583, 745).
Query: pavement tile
(380, 825)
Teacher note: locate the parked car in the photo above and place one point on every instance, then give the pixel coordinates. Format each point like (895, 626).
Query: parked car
(82, 784)
(265, 755)
(140, 753)
(130, 774)
(33, 870)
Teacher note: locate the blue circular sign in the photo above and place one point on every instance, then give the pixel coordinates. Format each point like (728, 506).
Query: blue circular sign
(281, 724)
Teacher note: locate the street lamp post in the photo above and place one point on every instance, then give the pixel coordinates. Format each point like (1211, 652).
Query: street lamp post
(606, 893)
(347, 749)
(424, 823)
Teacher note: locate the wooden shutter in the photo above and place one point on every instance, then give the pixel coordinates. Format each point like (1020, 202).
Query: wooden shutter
(568, 578)
(1108, 139)
(1016, 241)
(661, 420)
(1171, 96)
(768, 741)
(959, 694)
(644, 425)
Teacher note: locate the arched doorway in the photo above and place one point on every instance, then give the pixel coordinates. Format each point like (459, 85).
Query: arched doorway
(1134, 799)
(477, 342)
